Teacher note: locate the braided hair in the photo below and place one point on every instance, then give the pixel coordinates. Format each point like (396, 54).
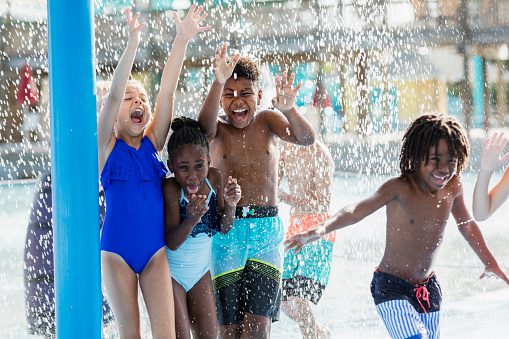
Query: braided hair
(247, 68)
(425, 132)
(186, 131)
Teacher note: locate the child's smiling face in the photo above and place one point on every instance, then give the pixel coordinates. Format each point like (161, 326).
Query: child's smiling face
(240, 99)
(440, 168)
(134, 112)
(190, 165)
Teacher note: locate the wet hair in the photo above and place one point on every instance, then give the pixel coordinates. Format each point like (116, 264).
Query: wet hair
(136, 84)
(186, 131)
(425, 132)
(247, 68)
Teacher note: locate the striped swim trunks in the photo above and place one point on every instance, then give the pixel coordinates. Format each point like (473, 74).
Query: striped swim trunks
(408, 310)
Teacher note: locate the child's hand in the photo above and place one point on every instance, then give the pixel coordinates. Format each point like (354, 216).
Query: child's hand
(190, 26)
(299, 240)
(285, 94)
(134, 26)
(495, 271)
(223, 66)
(232, 192)
(296, 242)
(491, 157)
(196, 208)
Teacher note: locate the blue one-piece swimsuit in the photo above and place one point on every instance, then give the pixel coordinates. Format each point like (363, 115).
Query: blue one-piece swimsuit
(134, 223)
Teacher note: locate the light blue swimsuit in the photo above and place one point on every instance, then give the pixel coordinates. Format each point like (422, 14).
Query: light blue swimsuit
(191, 261)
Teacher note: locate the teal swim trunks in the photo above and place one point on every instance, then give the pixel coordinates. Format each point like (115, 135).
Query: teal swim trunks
(246, 268)
(306, 273)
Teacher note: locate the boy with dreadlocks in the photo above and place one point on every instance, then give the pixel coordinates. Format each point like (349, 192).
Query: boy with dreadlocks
(418, 203)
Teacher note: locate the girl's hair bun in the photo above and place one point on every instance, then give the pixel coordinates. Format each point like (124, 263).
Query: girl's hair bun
(184, 122)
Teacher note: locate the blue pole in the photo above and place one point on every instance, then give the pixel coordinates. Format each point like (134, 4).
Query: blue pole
(74, 169)
(478, 92)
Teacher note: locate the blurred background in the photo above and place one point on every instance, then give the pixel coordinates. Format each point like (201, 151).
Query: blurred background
(368, 67)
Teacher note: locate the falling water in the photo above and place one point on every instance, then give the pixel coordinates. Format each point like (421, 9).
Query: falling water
(367, 67)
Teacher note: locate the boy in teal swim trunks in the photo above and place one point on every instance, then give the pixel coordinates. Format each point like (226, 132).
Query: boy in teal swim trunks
(244, 143)
(308, 171)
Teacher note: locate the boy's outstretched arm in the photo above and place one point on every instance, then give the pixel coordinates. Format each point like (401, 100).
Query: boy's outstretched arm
(348, 215)
(472, 234)
(223, 68)
(484, 202)
(292, 126)
(109, 112)
(187, 29)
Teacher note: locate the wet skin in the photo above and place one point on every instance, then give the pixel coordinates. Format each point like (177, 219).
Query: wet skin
(246, 145)
(191, 166)
(418, 206)
(309, 171)
(251, 155)
(416, 220)
(133, 116)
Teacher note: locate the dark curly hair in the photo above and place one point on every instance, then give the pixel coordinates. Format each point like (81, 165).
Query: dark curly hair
(247, 68)
(186, 131)
(425, 132)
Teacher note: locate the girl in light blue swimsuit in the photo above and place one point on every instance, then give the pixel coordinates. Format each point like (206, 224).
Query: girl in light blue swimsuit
(196, 206)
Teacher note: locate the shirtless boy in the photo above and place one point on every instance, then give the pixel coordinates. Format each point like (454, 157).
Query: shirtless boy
(418, 203)
(244, 143)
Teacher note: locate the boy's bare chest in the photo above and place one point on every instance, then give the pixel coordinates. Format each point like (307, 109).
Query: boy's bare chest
(427, 210)
(245, 147)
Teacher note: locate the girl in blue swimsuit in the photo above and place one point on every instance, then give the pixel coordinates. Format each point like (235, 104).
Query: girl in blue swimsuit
(197, 206)
(132, 239)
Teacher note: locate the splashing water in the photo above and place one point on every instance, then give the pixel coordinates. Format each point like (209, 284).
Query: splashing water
(368, 67)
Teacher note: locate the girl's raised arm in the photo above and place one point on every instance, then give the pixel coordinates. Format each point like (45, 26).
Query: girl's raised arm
(109, 112)
(484, 202)
(187, 29)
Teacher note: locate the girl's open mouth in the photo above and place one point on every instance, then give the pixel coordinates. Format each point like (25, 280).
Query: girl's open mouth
(137, 115)
(193, 189)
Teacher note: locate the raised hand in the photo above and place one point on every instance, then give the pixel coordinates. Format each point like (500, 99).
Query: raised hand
(190, 26)
(196, 208)
(285, 94)
(232, 192)
(491, 157)
(223, 66)
(134, 26)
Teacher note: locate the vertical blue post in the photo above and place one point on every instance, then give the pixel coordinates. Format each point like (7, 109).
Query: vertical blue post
(477, 92)
(74, 169)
